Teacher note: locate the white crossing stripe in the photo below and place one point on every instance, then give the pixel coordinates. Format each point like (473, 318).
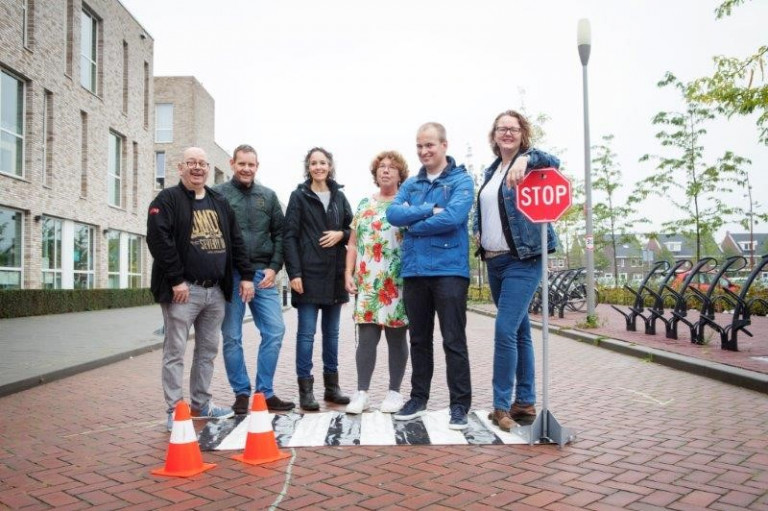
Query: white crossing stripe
(370, 428)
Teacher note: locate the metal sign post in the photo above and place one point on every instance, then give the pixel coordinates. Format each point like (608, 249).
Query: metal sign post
(545, 429)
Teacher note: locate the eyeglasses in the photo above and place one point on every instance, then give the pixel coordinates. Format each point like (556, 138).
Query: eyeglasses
(388, 167)
(192, 164)
(502, 130)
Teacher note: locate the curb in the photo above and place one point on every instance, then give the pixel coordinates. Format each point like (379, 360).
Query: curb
(721, 372)
(34, 381)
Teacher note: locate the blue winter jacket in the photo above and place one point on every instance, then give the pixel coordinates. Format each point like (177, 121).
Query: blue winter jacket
(525, 234)
(434, 245)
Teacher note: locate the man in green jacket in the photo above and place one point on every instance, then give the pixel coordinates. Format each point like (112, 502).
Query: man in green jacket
(260, 218)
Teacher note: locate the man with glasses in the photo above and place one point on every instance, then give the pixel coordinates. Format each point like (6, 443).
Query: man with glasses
(261, 221)
(195, 241)
(434, 207)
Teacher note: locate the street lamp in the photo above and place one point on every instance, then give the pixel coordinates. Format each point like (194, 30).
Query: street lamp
(584, 39)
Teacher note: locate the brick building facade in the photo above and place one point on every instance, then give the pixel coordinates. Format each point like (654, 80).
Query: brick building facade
(185, 117)
(78, 150)
(75, 153)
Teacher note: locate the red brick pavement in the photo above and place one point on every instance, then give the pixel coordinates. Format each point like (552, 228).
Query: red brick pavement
(649, 437)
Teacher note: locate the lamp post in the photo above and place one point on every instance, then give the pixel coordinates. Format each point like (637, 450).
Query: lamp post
(584, 40)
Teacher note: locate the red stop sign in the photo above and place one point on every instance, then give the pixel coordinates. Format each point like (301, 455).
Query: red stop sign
(544, 195)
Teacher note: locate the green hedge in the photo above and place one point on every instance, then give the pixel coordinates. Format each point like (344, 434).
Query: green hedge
(17, 303)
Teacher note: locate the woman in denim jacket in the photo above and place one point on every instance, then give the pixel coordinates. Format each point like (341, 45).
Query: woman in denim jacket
(510, 245)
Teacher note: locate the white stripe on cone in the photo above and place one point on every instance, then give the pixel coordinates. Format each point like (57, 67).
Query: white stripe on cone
(259, 422)
(183, 432)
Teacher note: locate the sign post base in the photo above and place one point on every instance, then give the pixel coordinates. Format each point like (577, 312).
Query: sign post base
(545, 429)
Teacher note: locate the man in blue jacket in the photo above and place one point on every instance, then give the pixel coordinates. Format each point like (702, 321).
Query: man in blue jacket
(434, 207)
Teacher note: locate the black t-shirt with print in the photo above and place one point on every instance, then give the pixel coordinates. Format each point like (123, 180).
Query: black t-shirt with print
(207, 253)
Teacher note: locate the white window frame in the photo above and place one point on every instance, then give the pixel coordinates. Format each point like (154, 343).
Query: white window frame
(89, 57)
(674, 246)
(88, 272)
(56, 272)
(18, 163)
(160, 172)
(7, 271)
(115, 169)
(163, 126)
(122, 276)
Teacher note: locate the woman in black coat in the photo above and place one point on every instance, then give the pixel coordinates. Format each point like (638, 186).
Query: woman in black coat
(316, 231)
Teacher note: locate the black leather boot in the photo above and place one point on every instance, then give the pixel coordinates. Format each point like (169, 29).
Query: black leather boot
(332, 389)
(306, 396)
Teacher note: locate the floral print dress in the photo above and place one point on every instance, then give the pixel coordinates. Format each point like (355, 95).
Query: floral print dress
(377, 268)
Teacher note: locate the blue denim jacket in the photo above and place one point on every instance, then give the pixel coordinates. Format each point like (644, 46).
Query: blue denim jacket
(525, 234)
(434, 245)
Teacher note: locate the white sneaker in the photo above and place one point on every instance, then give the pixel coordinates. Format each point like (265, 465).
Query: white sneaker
(358, 403)
(392, 402)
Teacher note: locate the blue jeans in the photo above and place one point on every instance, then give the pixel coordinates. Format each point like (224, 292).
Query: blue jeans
(513, 283)
(267, 315)
(446, 296)
(305, 337)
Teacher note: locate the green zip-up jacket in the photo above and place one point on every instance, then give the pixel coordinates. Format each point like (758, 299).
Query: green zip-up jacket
(261, 220)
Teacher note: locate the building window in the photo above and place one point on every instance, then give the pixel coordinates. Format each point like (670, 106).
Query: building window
(82, 257)
(89, 38)
(134, 261)
(218, 175)
(115, 170)
(747, 246)
(124, 257)
(622, 277)
(10, 248)
(159, 170)
(113, 257)
(674, 246)
(52, 265)
(164, 122)
(11, 125)
(48, 138)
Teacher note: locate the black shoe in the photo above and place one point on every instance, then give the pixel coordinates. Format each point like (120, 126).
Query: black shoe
(332, 389)
(241, 404)
(275, 404)
(306, 395)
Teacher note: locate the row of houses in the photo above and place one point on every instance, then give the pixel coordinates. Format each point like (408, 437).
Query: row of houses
(635, 253)
(88, 135)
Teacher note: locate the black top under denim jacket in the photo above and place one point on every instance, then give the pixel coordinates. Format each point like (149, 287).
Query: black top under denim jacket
(169, 226)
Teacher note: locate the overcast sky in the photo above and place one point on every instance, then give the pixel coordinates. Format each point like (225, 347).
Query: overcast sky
(358, 77)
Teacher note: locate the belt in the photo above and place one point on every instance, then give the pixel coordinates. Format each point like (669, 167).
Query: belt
(205, 283)
(490, 254)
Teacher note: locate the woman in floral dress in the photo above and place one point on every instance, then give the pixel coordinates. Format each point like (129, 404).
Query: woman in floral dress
(373, 275)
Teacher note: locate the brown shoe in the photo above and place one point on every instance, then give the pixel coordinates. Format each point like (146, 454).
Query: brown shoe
(519, 410)
(502, 419)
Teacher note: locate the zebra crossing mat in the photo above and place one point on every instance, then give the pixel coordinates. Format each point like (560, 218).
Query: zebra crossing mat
(370, 428)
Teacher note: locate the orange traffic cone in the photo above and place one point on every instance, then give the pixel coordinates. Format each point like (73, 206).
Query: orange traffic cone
(183, 458)
(260, 444)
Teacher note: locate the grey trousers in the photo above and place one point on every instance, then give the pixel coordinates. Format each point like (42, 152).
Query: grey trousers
(205, 310)
(365, 356)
